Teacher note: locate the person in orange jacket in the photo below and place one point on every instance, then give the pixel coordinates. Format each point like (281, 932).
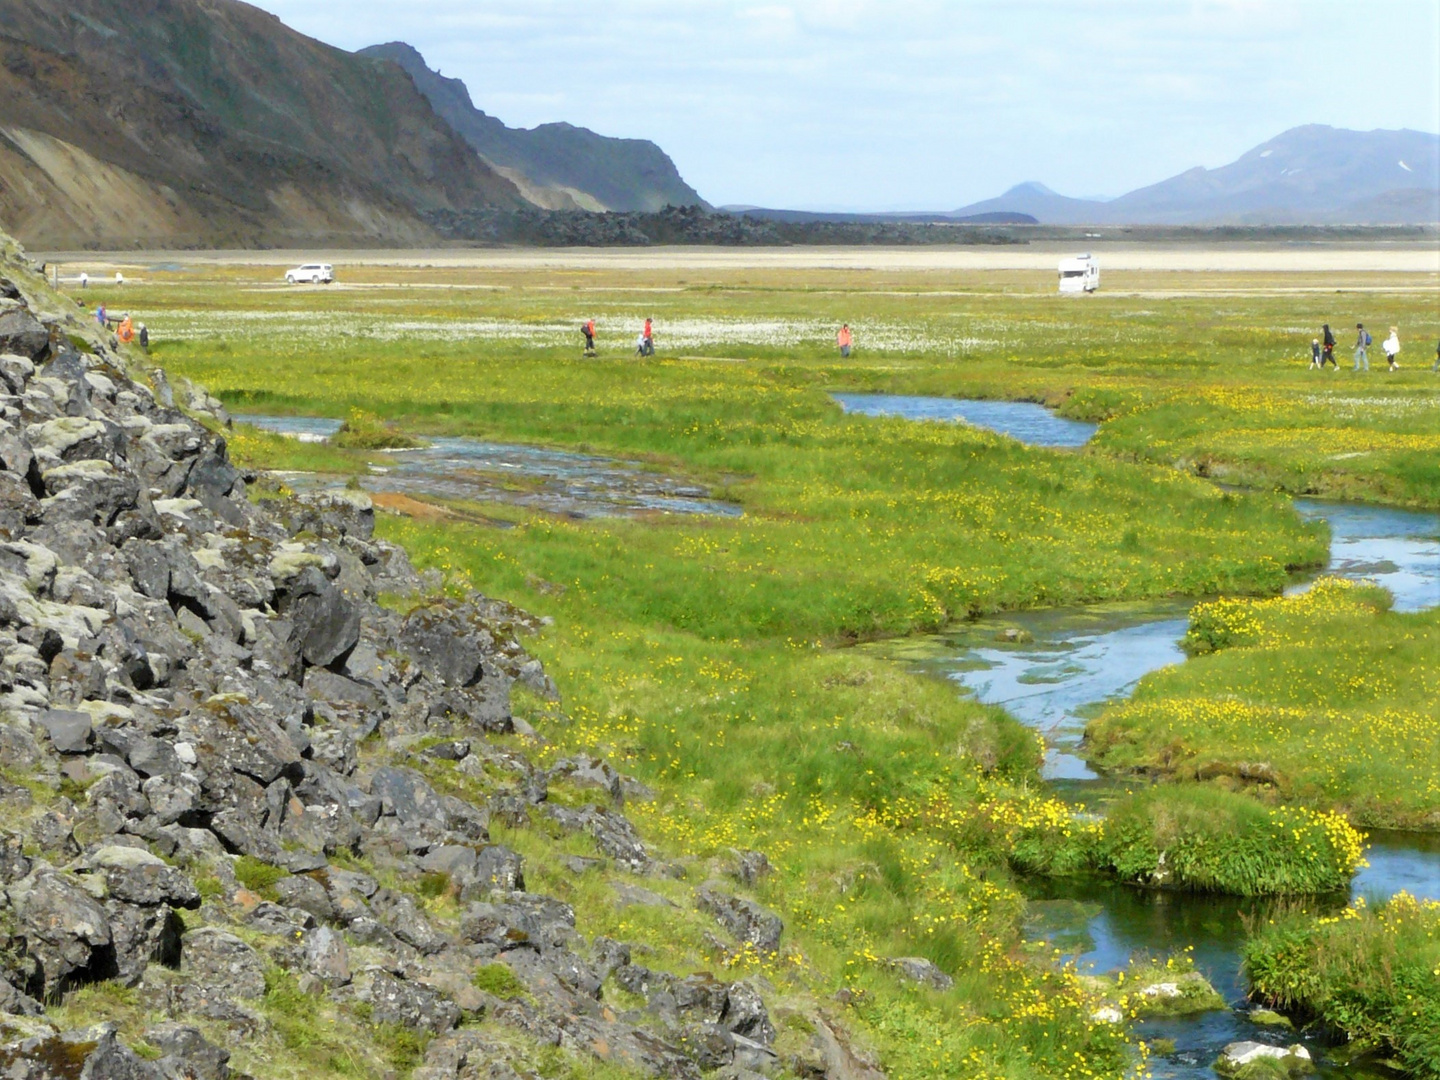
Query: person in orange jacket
(649, 337)
(589, 331)
(844, 339)
(125, 331)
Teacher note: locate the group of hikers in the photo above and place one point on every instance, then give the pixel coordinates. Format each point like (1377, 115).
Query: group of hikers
(1322, 349)
(645, 343)
(126, 328)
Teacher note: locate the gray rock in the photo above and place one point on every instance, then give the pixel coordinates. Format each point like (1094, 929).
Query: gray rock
(406, 795)
(613, 834)
(395, 1001)
(188, 1055)
(918, 969)
(745, 919)
(330, 515)
(750, 867)
(215, 959)
(326, 622)
(23, 335)
(1274, 1060)
(305, 893)
(67, 933)
(402, 916)
(519, 918)
(326, 956)
(438, 640)
(69, 731)
(134, 876)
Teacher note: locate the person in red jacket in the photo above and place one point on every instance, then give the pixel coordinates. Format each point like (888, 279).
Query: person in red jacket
(589, 331)
(844, 339)
(649, 336)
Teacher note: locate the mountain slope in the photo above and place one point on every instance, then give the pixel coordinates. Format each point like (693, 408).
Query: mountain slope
(209, 122)
(559, 166)
(1308, 175)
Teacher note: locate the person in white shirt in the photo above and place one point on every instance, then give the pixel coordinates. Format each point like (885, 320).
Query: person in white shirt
(1391, 345)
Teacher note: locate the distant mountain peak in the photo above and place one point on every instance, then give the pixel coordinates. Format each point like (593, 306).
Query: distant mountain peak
(1034, 187)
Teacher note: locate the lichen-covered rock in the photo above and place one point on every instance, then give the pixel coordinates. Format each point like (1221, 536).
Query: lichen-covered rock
(746, 920)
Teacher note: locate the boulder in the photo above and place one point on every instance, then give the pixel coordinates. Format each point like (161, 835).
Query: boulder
(187, 1053)
(66, 932)
(21, 334)
(326, 956)
(69, 731)
(440, 643)
(413, 1005)
(216, 960)
(918, 969)
(1261, 1061)
(746, 920)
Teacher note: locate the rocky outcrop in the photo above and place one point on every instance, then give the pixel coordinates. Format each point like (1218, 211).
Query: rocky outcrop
(241, 772)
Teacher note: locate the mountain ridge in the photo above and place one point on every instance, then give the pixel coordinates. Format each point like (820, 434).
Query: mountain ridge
(557, 166)
(1312, 174)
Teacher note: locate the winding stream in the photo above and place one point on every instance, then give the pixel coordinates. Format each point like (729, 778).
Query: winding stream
(1054, 666)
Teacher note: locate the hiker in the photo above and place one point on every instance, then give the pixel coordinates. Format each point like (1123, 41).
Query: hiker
(100, 315)
(1362, 342)
(589, 331)
(84, 280)
(649, 336)
(1391, 345)
(1329, 353)
(640, 342)
(126, 330)
(1436, 366)
(143, 337)
(119, 278)
(1314, 352)
(844, 340)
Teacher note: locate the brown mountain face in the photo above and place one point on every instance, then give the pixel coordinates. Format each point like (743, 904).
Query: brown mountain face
(165, 123)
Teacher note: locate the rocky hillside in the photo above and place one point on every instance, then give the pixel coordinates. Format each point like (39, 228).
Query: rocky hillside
(1311, 175)
(165, 123)
(556, 166)
(248, 807)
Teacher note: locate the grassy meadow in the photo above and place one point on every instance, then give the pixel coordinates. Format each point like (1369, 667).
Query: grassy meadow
(706, 655)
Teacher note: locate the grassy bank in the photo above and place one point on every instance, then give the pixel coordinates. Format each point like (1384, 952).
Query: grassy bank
(698, 653)
(1369, 975)
(1198, 840)
(1327, 698)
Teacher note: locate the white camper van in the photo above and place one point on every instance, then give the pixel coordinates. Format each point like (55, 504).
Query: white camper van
(1080, 274)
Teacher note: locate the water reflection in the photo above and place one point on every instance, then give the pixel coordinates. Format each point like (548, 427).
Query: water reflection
(1022, 420)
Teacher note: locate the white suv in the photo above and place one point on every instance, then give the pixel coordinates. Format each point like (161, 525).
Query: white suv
(311, 274)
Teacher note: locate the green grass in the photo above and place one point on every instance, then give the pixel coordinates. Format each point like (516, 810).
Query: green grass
(1327, 698)
(701, 654)
(1368, 974)
(1197, 839)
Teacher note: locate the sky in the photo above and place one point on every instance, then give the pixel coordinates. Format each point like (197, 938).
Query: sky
(920, 104)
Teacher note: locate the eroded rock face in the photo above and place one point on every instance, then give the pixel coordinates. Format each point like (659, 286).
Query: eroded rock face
(236, 722)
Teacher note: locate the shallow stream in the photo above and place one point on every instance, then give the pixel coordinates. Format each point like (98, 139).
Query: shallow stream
(1063, 663)
(556, 481)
